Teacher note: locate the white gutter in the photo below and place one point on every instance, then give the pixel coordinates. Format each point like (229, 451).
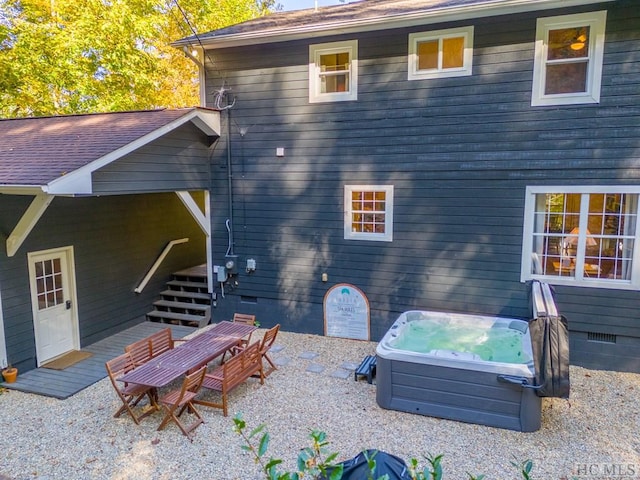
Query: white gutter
(383, 22)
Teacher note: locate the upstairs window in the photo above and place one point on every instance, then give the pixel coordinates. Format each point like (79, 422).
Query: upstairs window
(586, 237)
(568, 59)
(368, 212)
(442, 53)
(333, 72)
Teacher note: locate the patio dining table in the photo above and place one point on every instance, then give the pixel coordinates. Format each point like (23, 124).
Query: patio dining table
(189, 355)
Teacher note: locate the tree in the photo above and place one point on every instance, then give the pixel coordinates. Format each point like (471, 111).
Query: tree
(78, 56)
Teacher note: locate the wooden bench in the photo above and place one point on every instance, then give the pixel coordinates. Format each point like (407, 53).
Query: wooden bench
(232, 373)
(366, 368)
(144, 350)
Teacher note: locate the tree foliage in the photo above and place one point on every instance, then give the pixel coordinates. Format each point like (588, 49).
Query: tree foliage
(77, 56)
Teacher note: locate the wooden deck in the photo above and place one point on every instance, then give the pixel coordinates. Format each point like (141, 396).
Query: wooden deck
(64, 383)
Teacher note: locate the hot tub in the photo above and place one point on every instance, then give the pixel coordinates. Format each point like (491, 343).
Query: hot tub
(450, 365)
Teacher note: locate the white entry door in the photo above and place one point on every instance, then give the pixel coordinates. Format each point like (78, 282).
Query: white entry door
(53, 299)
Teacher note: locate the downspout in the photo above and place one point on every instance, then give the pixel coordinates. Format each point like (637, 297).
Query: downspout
(229, 180)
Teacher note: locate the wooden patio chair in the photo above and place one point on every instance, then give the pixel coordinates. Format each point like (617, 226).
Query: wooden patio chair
(140, 351)
(267, 342)
(245, 319)
(161, 341)
(181, 399)
(129, 394)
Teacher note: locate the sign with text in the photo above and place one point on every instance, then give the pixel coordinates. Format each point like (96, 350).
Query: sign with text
(346, 312)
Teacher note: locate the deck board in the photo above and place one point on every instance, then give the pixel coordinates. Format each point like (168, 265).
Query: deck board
(64, 383)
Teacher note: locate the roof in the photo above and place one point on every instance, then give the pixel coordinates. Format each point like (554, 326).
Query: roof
(57, 154)
(365, 15)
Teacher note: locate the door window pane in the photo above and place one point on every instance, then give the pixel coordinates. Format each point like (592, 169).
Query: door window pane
(49, 287)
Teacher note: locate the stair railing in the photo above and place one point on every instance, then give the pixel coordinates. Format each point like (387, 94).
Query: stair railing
(158, 262)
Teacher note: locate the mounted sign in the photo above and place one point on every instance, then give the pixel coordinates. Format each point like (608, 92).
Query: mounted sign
(346, 312)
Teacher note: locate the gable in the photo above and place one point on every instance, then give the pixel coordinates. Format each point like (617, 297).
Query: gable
(58, 155)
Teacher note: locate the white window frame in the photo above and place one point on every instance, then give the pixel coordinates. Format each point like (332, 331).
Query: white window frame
(439, 35)
(580, 279)
(315, 51)
(387, 236)
(596, 21)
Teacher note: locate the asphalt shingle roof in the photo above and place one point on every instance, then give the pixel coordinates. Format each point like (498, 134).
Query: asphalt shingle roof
(35, 151)
(360, 12)
(363, 9)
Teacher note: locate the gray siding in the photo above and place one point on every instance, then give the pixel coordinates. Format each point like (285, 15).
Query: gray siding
(459, 152)
(178, 160)
(116, 239)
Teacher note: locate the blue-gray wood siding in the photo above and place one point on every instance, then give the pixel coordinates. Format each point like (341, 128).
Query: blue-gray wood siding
(116, 239)
(458, 151)
(178, 160)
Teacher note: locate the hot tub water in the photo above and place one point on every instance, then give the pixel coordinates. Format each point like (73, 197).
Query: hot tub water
(491, 342)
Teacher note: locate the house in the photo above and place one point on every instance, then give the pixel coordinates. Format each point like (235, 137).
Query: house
(87, 205)
(435, 154)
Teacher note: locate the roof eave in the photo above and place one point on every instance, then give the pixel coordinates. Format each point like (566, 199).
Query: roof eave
(401, 20)
(80, 181)
(7, 189)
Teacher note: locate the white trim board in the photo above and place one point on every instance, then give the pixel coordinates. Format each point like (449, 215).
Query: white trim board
(381, 22)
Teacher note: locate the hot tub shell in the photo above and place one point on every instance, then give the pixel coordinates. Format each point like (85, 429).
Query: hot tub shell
(455, 386)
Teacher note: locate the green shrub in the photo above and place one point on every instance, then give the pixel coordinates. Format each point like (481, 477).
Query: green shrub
(317, 463)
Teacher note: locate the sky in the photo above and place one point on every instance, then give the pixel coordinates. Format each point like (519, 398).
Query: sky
(301, 4)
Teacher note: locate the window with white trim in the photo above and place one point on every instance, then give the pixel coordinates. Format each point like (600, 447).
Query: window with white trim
(582, 236)
(333, 72)
(568, 59)
(368, 212)
(441, 53)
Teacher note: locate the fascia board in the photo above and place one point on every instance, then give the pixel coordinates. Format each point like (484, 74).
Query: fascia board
(323, 29)
(21, 189)
(80, 181)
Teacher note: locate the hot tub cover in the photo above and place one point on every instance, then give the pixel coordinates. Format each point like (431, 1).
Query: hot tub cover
(386, 464)
(550, 342)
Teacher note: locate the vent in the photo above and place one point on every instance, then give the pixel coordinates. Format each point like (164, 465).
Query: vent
(246, 299)
(601, 337)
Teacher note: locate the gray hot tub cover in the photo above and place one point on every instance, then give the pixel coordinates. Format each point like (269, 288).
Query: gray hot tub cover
(550, 343)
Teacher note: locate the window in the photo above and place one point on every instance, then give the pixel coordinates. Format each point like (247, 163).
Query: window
(333, 72)
(443, 53)
(582, 236)
(368, 212)
(568, 59)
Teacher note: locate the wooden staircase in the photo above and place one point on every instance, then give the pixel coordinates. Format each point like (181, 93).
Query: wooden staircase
(185, 301)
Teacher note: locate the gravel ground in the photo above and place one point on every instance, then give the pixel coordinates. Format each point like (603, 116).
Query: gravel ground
(77, 438)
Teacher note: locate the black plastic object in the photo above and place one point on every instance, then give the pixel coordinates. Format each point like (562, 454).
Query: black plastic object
(386, 464)
(550, 342)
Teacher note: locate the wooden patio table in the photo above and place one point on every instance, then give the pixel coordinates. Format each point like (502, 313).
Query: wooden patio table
(189, 355)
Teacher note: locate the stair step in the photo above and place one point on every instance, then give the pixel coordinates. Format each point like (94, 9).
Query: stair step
(181, 305)
(199, 271)
(186, 300)
(186, 284)
(183, 294)
(180, 318)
